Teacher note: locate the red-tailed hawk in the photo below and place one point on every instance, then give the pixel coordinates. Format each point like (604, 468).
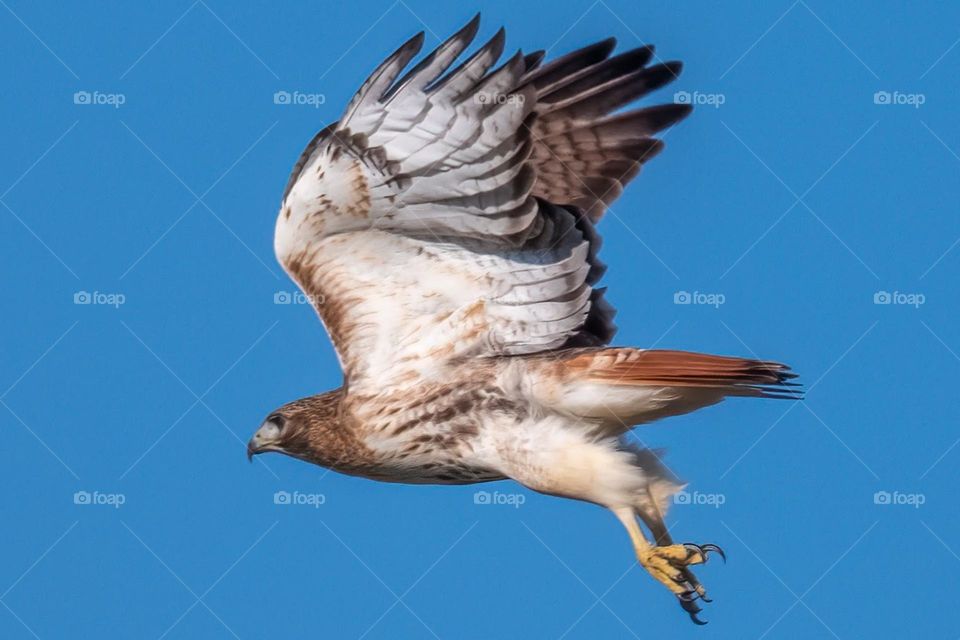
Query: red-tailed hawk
(444, 228)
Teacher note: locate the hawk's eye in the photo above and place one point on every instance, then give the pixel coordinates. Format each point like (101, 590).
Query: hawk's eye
(272, 427)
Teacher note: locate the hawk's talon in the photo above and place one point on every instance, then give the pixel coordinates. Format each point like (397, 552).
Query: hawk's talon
(707, 548)
(671, 564)
(695, 548)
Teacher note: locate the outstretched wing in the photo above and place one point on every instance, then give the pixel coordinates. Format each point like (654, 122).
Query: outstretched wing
(415, 222)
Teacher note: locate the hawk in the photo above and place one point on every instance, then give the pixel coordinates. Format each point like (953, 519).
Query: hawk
(444, 229)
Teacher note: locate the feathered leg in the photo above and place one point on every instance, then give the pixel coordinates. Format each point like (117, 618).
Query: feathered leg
(630, 481)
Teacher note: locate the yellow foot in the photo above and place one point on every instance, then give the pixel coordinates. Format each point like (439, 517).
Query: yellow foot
(670, 564)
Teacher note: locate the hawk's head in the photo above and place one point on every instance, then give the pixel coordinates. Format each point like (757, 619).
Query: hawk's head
(304, 429)
(270, 435)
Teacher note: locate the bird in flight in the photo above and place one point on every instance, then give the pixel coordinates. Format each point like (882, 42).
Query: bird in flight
(444, 229)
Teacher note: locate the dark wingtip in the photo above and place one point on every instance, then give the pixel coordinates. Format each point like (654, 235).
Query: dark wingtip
(534, 59)
(609, 44)
(497, 42)
(408, 49)
(471, 27)
(673, 68)
(668, 114)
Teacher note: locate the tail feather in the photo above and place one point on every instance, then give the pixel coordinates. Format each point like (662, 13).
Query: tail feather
(635, 386)
(656, 367)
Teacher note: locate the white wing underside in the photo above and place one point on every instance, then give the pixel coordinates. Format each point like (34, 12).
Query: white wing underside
(414, 223)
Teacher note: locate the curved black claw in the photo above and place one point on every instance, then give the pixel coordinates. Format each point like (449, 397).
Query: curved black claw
(689, 546)
(694, 590)
(705, 549)
(697, 620)
(688, 603)
(694, 584)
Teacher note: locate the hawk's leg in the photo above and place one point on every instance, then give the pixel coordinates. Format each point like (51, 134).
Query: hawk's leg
(670, 563)
(563, 460)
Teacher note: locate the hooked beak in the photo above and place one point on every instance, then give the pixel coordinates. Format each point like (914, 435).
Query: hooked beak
(266, 438)
(262, 440)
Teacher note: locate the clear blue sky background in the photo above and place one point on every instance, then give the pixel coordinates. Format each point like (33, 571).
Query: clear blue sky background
(797, 199)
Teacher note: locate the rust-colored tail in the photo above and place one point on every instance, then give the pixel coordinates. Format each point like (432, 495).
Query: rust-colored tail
(658, 367)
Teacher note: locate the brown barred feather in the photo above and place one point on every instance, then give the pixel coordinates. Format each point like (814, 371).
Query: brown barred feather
(583, 154)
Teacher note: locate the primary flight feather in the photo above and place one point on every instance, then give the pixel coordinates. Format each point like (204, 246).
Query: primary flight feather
(444, 228)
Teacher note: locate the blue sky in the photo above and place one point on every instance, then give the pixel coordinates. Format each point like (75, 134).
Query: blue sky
(796, 195)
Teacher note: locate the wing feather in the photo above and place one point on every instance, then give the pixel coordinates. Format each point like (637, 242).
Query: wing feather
(584, 153)
(437, 219)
